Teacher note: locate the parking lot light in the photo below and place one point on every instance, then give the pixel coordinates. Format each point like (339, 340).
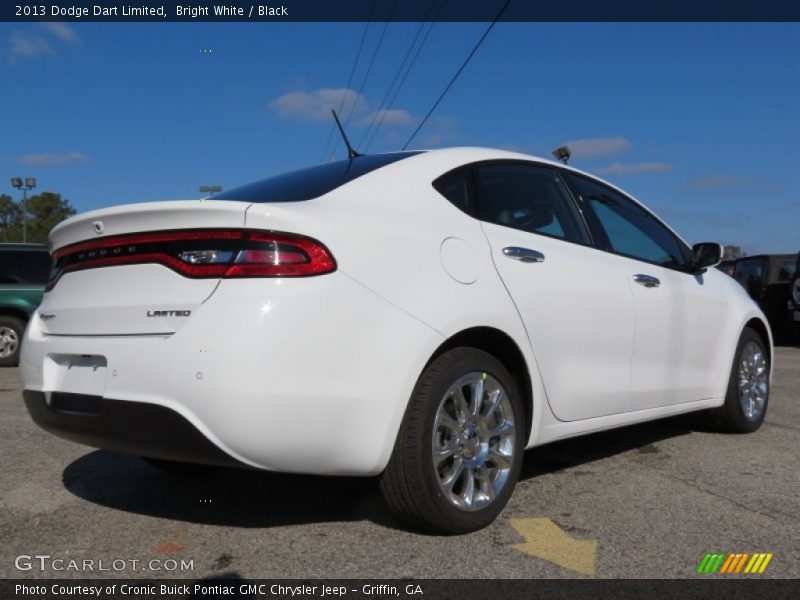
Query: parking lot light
(30, 183)
(209, 189)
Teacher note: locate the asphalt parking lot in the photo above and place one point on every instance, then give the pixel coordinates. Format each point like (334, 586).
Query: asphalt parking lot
(647, 501)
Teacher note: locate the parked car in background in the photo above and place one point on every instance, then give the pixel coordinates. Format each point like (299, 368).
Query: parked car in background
(768, 278)
(24, 269)
(727, 267)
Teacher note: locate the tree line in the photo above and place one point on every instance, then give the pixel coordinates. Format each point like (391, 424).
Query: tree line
(45, 211)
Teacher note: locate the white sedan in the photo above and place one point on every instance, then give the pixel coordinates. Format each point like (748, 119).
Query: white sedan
(419, 316)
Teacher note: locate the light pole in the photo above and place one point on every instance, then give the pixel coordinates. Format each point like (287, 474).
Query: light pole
(25, 185)
(210, 189)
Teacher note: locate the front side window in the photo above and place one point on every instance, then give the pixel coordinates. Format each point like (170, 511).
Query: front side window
(629, 229)
(532, 198)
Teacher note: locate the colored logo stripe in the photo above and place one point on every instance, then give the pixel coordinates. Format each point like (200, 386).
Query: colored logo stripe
(758, 563)
(723, 563)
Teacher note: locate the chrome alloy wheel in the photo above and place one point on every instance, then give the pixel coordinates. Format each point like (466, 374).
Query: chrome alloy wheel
(753, 381)
(473, 441)
(9, 341)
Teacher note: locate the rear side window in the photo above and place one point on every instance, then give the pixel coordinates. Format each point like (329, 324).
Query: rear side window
(456, 186)
(312, 182)
(24, 267)
(629, 229)
(529, 197)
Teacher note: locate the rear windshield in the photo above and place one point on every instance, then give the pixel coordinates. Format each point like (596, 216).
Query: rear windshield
(24, 267)
(312, 182)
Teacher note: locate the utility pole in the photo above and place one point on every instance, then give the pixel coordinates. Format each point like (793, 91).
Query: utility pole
(25, 185)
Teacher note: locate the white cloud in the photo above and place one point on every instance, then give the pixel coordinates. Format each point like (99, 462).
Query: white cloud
(634, 168)
(397, 116)
(29, 43)
(594, 147)
(62, 31)
(316, 105)
(50, 159)
(716, 181)
(25, 44)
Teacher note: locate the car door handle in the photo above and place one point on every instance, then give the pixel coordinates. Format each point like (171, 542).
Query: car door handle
(523, 254)
(646, 280)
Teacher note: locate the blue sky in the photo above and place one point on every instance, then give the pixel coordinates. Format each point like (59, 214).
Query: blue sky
(699, 121)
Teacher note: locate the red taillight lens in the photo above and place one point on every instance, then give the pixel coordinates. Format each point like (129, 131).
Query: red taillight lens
(270, 254)
(202, 254)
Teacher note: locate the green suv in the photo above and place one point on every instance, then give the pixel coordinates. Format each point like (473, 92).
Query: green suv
(24, 269)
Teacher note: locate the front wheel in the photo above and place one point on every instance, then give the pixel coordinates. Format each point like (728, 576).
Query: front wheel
(748, 388)
(459, 450)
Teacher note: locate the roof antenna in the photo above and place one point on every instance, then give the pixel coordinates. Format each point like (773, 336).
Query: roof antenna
(562, 153)
(351, 153)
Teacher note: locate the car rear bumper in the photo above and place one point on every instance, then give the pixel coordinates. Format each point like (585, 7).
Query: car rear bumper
(131, 427)
(306, 376)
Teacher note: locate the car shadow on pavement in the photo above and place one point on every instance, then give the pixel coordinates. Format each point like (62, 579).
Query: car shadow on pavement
(227, 497)
(575, 452)
(243, 498)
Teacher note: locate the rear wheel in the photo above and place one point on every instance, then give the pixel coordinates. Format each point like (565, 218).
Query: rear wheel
(459, 450)
(748, 388)
(11, 330)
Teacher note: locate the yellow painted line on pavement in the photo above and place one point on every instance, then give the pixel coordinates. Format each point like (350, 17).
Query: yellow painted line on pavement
(546, 540)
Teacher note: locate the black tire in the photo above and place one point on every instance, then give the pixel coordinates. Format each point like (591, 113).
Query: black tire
(17, 326)
(410, 483)
(176, 468)
(731, 417)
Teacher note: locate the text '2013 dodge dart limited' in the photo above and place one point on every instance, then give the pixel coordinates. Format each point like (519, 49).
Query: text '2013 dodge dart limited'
(419, 316)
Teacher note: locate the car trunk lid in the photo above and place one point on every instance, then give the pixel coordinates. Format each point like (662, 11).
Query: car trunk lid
(137, 269)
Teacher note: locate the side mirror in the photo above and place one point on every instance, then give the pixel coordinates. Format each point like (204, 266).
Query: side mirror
(706, 255)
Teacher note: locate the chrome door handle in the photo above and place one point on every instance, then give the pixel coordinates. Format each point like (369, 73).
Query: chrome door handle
(646, 280)
(523, 254)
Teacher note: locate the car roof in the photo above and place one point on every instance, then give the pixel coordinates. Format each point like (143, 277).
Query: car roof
(472, 154)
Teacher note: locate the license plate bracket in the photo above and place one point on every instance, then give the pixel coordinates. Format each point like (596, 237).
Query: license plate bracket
(76, 374)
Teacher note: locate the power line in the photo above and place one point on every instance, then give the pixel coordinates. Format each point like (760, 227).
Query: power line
(397, 73)
(366, 75)
(349, 78)
(461, 68)
(405, 76)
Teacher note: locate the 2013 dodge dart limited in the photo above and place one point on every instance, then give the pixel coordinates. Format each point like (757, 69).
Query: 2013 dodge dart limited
(419, 316)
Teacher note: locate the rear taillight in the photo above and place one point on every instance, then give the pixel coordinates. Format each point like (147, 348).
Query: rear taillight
(202, 254)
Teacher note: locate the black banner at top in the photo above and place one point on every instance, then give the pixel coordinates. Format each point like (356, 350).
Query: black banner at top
(400, 10)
